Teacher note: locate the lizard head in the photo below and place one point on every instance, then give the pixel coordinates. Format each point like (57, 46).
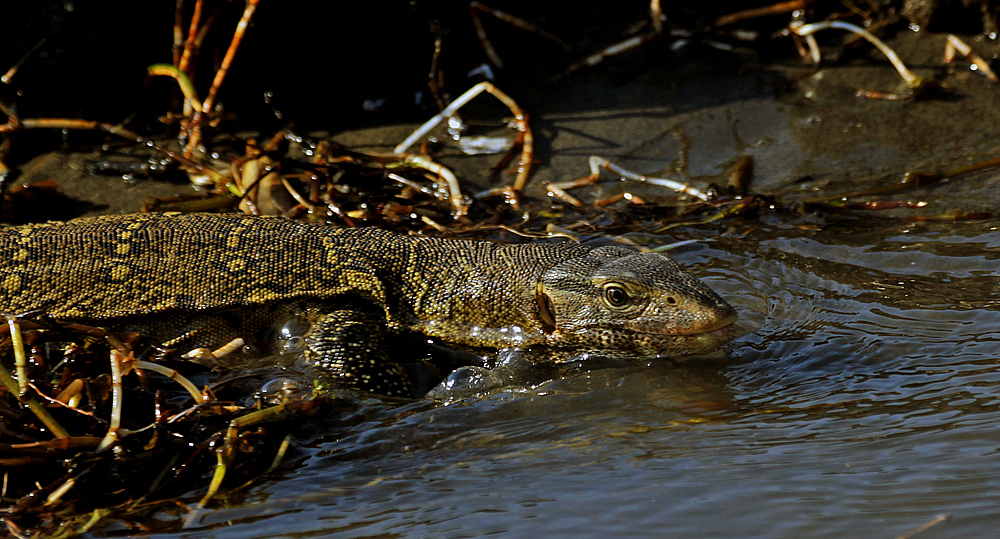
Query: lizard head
(622, 302)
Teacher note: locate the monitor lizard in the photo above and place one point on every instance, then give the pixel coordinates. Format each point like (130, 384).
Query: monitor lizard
(201, 279)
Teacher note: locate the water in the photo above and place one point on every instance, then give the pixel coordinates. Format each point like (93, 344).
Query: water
(863, 402)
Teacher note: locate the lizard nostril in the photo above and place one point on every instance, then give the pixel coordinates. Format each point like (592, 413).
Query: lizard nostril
(671, 300)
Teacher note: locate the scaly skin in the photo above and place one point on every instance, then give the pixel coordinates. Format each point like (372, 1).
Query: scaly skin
(202, 279)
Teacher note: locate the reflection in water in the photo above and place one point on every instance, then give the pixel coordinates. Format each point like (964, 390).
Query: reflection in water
(862, 400)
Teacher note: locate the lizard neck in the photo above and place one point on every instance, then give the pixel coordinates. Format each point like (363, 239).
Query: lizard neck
(481, 296)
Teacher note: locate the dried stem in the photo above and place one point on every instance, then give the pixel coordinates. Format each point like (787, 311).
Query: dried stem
(224, 452)
(12, 385)
(173, 375)
(476, 7)
(656, 16)
(954, 44)
(178, 32)
(598, 163)
(753, 13)
(520, 122)
(621, 47)
(116, 401)
(234, 45)
(17, 65)
(454, 191)
(20, 361)
(189, 47)
(804, 30)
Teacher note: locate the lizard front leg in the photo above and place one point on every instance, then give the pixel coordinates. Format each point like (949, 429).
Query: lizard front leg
(349, 346)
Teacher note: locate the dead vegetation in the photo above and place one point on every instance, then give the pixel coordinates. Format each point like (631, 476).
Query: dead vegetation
(96, 427)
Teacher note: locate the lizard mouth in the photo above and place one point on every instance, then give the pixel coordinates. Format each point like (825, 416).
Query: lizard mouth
(724, 320)
(727, 331)
(700, 341)
(722, 325)
(625, 343)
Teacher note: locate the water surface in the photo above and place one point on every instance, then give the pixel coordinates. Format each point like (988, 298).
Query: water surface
(862, 402)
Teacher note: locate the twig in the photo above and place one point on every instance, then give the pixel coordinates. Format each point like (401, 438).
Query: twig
(773, 9)
(954, 44)
(415, 186)
(475, 8)
(418, 161)
(15, 124)
(656, 16)
(20, 361)
(183, 81)
(520, 122)
(13, 386)
(173, 375)
(17, 65)
(921, 529)
(58, 493)
(116, 402)
(34, 406)
(178, 32)
(621, 47)
(597, 163)
(189, 48)
(806, 30)
(224, 453)
(66, 123)
(234, 45)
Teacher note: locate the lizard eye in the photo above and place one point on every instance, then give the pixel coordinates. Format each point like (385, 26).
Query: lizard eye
(615, 295)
